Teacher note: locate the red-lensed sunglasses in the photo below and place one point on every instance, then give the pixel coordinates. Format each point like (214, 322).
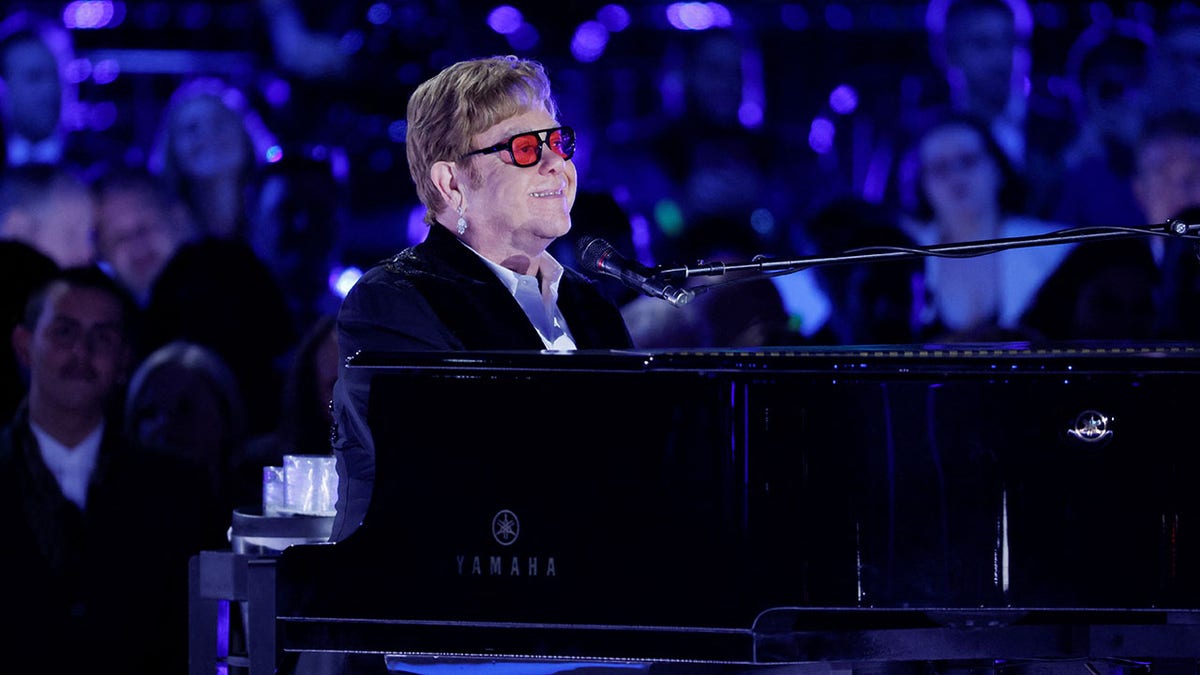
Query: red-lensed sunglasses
(526, 149)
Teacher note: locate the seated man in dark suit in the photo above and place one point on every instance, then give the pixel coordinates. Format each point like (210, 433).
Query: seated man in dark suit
(97, 533)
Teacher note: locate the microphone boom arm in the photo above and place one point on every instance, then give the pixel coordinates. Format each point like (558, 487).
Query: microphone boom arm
(966, 249)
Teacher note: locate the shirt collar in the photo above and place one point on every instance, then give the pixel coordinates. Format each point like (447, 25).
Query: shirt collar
(538, 301)
(550, 271)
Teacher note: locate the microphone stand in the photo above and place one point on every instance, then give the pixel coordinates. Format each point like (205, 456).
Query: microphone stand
(1173, 228)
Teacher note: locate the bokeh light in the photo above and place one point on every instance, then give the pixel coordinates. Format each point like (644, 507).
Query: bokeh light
(342, 279)
(614, 17)
(525, 37)
(379, 13)
(505, 19)
(843, 99)
(589, 42)
(821, 135)
(92, 14)
(698, 15)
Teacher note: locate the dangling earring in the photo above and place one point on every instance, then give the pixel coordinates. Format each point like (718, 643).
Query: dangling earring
(462, 222)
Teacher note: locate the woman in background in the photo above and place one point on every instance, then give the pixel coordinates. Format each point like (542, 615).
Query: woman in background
(968, 191)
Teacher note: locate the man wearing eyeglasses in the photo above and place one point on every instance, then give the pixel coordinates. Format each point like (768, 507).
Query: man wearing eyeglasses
(492, 165)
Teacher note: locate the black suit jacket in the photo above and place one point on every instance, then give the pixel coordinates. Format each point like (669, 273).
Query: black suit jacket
(109, 583)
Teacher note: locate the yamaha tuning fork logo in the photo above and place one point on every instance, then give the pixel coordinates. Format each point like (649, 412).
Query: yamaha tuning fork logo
(506, 529)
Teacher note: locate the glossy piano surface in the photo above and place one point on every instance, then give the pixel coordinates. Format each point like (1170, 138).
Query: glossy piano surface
(695, 502)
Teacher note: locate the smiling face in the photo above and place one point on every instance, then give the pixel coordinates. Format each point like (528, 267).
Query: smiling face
(515, 212)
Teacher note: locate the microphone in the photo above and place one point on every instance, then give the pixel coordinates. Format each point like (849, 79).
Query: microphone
(599, 256)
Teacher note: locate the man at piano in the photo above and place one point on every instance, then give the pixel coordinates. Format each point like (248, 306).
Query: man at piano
(492, 166)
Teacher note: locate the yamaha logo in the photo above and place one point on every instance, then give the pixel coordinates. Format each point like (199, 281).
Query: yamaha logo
(505, 528)
(1092, 427)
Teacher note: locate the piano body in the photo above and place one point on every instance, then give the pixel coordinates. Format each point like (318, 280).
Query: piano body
(789, 510)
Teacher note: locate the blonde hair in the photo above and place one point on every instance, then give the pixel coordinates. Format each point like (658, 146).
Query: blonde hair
(446, 111)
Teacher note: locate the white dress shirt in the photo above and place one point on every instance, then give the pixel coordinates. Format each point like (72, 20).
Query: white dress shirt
(538, 300)
(72, 466)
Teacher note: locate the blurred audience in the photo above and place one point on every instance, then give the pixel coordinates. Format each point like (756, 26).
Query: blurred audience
(51, 208)
(1166, 182)
(215, 152)
(1103, 290)
(22, 270)
(983, 49)
(33, 89)
(296, 229)
(1173, 69)
(139, 227)
(183, 400)
(1107, 67)
(702, 154)
(218, 293)
(873, 302)
(221, 289)
(300, 50)
(98, 531)
(969, 192)
(305, 421)
(210, 150)
(734, 310)
(39, 100)
(1166, 177)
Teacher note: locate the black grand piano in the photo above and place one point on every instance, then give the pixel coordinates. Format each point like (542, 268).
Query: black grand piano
(776, 510)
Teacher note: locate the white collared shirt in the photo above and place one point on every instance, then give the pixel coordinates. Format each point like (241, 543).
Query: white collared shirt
(71, 467)
(539, 301)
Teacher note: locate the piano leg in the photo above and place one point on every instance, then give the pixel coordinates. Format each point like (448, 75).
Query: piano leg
(202, 625)
(260, 629)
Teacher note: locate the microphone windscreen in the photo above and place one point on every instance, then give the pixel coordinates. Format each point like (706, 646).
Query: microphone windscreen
(592, 252)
